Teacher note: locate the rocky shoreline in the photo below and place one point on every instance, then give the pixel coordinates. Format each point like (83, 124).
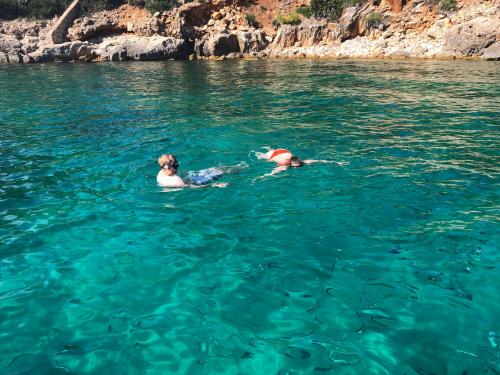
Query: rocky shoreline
(219, 30)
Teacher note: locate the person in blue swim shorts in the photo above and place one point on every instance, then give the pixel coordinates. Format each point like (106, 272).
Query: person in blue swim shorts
(168, 177)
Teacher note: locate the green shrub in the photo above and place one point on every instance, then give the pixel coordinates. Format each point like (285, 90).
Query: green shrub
(251, 20)
(10, 9)
(331, 9)
(373, 20)
(31, 8)
(45, 8)
(159, 5)
(287, 19)
(91, 6)
(447, 5)
(352, 3)
(304, 11)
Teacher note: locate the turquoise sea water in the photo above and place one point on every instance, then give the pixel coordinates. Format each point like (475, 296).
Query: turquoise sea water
(386, 265)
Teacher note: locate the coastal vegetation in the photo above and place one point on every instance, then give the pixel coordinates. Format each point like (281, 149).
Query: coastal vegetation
(304, 11)
(287, 19)
(39, 9)
(331, 9)
(447, 5)
(252, 20)
(154, 5)
(208, 29)
(10, 9)
(373, 20)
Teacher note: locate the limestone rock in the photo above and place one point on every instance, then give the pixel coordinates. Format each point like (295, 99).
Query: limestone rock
(125, 18)
(22, 28)
(217, 45)
(285, 37)
(234, 55)
(9, 43)
(216, 16)
(306, 34)
(492, 52)
(130, 47)
(68, 51)
(102, 23)
(30, 44)
(15, 58)
(19, 38)
(396, 5)
(58, 33)
(438, 29)
(251, 41)
(349, 22)
(310, 34)
(472, 37)
(195, 13)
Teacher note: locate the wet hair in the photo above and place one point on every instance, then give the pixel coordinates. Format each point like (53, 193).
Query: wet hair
(168, 161)
(295, 161)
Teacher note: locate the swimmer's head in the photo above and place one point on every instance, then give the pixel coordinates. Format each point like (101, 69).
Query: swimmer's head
(295, 161)
(169, 163)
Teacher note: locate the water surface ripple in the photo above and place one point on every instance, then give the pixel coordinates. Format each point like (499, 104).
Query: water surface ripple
(385, 265)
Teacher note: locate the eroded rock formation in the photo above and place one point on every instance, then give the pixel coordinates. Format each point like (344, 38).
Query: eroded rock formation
(220, 29)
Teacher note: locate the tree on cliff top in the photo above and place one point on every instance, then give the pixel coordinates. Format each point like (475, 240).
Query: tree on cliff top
(10, 9)
(31, 8)
(154, 5)
(331, 9)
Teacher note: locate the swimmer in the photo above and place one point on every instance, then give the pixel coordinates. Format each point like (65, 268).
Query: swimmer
(168, 177)
(284, 159)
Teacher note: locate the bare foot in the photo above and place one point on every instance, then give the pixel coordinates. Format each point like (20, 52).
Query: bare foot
(220, 184)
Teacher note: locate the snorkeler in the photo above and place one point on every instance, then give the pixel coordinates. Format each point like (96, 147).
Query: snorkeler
(168, 177)
(284, 160)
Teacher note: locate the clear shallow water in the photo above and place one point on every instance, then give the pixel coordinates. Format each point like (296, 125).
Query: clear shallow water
(387, 265)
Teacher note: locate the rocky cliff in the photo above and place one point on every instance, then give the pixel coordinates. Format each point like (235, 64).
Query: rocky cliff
(223, 29)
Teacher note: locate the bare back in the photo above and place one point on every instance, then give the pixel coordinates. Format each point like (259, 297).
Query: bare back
(165, 180)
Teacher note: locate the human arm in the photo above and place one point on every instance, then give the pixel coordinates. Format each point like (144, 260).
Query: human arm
(312, 161)
(215, 184)
(275, 171)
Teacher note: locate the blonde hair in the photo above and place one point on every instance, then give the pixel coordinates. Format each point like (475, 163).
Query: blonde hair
(168, 161)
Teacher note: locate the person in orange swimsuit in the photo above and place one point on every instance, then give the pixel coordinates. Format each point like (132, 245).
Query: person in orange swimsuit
(284, 160)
